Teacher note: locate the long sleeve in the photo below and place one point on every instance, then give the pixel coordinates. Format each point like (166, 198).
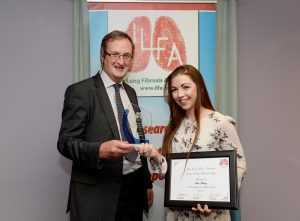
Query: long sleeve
(71, 143)
(159, 166)
(230, 140)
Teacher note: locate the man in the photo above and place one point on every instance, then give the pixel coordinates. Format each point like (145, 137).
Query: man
(105, 185)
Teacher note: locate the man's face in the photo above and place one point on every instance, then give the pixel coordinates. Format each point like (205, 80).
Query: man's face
(117, 68)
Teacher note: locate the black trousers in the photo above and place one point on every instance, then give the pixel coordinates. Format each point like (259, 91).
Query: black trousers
(130, 201)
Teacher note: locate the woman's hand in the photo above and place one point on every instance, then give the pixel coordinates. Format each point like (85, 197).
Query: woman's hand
(203, 210)
(147, 150)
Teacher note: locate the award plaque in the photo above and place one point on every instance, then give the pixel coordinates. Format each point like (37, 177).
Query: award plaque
(141, 115)
(204, 177)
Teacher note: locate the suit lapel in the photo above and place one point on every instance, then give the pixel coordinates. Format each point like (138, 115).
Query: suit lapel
(106, 105)
(132, 98)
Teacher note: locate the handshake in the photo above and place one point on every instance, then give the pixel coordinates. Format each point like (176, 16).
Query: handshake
(147, 150)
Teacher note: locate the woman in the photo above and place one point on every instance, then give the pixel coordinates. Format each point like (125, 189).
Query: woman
(195, 126)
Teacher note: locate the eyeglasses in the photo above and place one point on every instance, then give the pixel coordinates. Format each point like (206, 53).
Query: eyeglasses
(116, 56)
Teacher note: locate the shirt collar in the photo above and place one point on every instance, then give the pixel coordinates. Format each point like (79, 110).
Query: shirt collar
(107, 81)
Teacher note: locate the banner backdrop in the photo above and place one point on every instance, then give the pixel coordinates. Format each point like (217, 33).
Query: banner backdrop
(164, 39)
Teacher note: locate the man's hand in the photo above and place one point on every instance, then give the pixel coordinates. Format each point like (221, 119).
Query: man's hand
(114, 149)
(150, 197)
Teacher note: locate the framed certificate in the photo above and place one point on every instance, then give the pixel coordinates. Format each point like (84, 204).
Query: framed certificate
(204, 177)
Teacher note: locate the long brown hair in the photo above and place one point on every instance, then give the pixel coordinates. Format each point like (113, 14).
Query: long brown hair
(177, 114)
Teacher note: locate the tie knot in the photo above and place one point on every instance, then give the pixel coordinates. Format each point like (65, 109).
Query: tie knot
(117, 87)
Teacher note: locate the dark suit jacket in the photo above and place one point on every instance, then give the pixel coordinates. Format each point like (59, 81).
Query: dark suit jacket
(87, 121)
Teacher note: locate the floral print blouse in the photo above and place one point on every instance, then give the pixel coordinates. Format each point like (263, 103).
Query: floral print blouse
(217, 133)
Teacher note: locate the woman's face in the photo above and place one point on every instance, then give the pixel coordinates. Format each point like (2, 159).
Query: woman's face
(184, 92)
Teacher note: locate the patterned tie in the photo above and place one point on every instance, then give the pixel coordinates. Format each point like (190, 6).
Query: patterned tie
(133, 154)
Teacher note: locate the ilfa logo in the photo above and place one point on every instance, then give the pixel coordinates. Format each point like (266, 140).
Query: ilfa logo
(165, 42)
(224, 162)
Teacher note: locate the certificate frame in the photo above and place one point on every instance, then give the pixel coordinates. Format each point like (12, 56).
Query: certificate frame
(196, 170)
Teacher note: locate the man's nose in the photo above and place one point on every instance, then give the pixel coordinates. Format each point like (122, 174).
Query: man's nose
(121, 59)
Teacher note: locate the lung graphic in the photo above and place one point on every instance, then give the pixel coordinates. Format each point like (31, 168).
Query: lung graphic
(170, 45)
(167, 44)
(139, 30)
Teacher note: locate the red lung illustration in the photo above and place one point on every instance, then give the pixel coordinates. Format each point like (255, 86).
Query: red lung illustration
(168, 43)
(139, 30)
